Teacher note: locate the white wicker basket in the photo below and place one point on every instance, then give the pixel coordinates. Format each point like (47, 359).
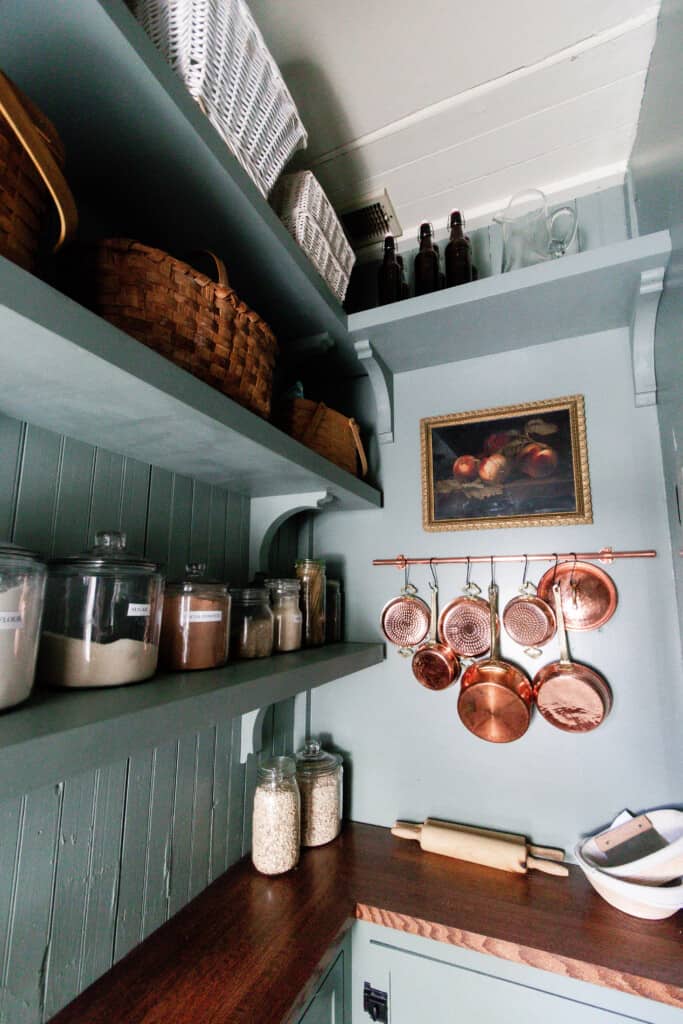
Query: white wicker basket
(307, 213)
(216, 48)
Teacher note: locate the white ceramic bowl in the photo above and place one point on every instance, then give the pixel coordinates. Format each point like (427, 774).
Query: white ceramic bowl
(634, 898)
(654, 869)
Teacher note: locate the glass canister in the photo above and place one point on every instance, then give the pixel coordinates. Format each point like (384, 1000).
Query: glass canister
(22, 590)
(251, 623)
(102, 617)
(319, 775)
(311, 572)
(333, 612)
(276, 817)
(195, 627)
(287, 617)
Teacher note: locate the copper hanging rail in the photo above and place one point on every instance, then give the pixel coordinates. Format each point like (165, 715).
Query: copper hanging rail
(605, 555)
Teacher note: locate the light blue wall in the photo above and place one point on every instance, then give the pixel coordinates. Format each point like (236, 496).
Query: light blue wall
(409, 754)
(657, 174)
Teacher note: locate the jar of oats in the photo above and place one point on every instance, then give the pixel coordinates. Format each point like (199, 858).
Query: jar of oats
(276, 817)
(320, 783)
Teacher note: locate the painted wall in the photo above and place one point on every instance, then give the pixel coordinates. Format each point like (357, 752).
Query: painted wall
(657, 174)
(92, 864)
(408, 754)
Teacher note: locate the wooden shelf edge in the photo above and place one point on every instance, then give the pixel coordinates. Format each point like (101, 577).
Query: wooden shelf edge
(60, 732)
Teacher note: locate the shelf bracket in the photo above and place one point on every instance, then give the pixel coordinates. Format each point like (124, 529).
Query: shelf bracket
(382, 384)
(643, 335)
(268, 515)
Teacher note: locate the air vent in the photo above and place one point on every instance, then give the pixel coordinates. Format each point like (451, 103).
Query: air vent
(367, 220)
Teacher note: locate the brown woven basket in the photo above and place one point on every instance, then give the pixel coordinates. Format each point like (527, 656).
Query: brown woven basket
(31, 161)
(180, 313)
(327, 432)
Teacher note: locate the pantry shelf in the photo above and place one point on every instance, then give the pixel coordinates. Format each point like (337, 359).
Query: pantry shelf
(67, 370)
(59, 733)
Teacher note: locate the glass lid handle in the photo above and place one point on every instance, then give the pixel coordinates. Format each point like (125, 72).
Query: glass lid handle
(196, 568)
(311, 748)
(110, 540)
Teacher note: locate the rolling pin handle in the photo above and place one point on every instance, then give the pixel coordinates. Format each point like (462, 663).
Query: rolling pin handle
(407, 830)
(548, 867)
(548, 852)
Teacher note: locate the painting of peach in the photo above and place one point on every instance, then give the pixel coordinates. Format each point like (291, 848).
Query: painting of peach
(521, 465)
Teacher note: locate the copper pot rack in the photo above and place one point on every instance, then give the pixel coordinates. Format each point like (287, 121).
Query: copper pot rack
(605, 555)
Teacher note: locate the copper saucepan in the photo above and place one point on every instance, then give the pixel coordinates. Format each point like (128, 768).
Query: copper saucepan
(464, 624)
(495, 696)
(569, 695)
(405, 619)
(435, 665)
(528, 619)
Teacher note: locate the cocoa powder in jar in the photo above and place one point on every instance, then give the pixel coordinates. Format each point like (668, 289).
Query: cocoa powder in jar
(195, 631)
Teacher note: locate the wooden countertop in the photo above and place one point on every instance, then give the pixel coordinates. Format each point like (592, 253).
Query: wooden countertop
(250, 948)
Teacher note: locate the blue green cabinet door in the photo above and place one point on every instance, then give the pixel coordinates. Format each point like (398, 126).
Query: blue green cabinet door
(327, 1006)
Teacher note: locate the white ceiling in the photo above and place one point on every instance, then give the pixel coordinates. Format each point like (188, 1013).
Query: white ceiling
(462, 104)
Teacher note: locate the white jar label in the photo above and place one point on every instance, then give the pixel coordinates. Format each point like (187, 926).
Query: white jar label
(203, 617)
(138, 611)
(11, 620)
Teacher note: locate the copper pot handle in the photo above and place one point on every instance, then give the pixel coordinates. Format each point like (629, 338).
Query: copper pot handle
(434, 604)
(495, 635)
(565, 660)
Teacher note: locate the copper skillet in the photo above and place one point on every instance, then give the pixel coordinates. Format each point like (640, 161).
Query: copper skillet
(589, 597)
(464, 622)
(435, 665)
(495, 696)
(569, 695)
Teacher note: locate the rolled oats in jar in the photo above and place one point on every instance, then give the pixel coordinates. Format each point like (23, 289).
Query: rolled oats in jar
(287, 617)
(276, 817)
(251, 624)
(319, 775)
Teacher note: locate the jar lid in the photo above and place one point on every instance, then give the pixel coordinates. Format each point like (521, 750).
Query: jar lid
(108, 555)
(309, 563)
(15, 553)
(333, 584)
(250, 595)
(276, 769)
(195, 578)
(313, 760)
(288, 586)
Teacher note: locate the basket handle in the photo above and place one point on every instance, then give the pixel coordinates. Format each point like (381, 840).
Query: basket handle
(316, 420)
(359, 447)
(28, 135)
(221, 269)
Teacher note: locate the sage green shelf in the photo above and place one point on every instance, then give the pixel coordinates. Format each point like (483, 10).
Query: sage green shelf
(59, 733)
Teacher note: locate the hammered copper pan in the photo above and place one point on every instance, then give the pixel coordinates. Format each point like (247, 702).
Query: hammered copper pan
(570, 696)
(589, 597)
(405, 619)
(495, 696)
(435, 666)
(528, 619)
(464, 625)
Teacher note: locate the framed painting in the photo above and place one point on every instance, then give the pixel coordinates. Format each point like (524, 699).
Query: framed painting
(517, 465)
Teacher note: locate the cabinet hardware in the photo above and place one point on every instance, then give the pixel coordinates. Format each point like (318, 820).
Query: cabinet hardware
(376, 1003)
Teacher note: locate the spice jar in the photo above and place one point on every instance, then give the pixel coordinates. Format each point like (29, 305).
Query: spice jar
(311, 572)
(333, 611)
(102, 617)
(22, 590)
(287, 617)
(276, 817)
(252, 623)
(319, 775)
(196, 621)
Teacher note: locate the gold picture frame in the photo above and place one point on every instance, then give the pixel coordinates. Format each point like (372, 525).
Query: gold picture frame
(515, 465)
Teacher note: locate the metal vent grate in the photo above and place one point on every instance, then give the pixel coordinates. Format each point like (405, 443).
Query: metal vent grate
(366, 221)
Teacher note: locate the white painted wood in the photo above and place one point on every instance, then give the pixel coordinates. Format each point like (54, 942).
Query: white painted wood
(382, 385)
(643, 334)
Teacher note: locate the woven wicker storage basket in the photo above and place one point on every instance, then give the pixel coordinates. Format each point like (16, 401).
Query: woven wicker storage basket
(304, 209)
(31, 159)
(180, 313)
(327, 432)
(218, 51)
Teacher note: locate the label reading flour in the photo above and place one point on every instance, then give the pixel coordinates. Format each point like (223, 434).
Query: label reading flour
(11, 620)
(203, 617)
(138, 611)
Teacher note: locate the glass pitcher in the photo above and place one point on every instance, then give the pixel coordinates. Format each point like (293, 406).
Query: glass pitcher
(532, 235)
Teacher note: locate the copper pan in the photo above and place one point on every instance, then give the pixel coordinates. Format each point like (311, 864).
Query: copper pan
(435, 666)
(464, 624)
(570, 696)
(495, 696)
(589, 597)
(405, 619)
(528, 619)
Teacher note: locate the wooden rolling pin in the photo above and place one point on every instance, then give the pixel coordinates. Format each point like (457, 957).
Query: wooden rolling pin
(481, 846)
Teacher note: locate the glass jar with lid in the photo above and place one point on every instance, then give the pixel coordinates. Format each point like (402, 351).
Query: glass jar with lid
(287, 617)
(102, 617)
(333, 612)
(22, 590)
(276, 817)
(311, 572)
(319, 775)
(195, 626)
(251, 623)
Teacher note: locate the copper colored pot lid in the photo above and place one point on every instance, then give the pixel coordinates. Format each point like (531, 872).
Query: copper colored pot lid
(405, 620)
(573, 699)
(589, 596)
(465, 625)
(494, 712)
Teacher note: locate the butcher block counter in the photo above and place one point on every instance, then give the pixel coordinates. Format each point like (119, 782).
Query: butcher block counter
(251, 948)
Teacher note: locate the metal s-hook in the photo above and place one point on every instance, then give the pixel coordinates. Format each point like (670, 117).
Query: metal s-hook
(435, 584)
(574, 586)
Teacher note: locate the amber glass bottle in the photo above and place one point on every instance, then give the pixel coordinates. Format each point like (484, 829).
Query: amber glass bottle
(458, 253)
(390, 275)
(427, 274)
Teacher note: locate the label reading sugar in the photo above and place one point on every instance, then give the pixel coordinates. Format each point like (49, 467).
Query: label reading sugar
(204, 617)
(138, 611)
(11, 620)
